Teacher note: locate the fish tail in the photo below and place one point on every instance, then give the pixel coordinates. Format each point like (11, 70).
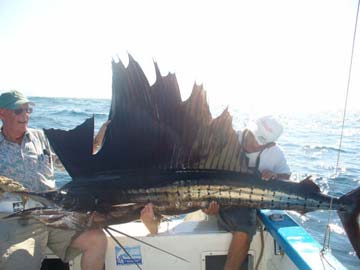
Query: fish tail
(349, 218)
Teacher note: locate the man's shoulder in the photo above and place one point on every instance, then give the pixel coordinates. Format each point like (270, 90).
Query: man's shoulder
(274, 151)
(276, 147)
(35, 130)
(239, 133)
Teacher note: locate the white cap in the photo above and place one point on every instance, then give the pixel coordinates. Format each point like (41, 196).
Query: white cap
(266, 129)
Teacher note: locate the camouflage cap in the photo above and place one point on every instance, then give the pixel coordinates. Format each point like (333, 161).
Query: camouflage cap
(13, 99)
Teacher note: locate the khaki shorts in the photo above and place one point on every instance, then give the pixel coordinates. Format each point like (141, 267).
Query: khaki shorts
(23, 244)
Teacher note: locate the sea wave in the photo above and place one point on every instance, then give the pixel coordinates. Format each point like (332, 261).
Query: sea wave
(312, 148)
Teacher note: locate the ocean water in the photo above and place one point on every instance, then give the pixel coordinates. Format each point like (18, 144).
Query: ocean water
(310, 142)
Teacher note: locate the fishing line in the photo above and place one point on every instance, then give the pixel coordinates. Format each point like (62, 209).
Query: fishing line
(262, 242)
(326, 243)
(146, 243)
(322, 259)
(123, 248)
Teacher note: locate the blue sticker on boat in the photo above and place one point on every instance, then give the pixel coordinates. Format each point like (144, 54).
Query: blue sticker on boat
(124, 259)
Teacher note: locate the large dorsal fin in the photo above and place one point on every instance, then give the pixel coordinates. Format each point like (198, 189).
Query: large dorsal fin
(152, 128)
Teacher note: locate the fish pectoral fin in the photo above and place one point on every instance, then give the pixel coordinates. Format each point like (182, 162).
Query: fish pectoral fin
(123, 205)
(309, 185)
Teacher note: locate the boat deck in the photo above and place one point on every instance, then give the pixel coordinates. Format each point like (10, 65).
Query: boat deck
(285, 245)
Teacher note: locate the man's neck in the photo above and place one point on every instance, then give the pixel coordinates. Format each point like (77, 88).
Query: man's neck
(12, 136)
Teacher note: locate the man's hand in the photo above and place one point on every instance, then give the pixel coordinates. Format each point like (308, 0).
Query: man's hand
(213, 209)
(267, 175)
(10, 185)
(94, 217)
(100, 136)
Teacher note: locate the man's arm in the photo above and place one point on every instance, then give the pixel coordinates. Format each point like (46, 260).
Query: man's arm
(280, 169)
(100, 136)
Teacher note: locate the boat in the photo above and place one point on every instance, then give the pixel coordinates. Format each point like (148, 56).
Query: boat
(280, 243)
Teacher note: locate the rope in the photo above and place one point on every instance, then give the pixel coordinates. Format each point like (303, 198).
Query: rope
(262, 243)
(326, 243)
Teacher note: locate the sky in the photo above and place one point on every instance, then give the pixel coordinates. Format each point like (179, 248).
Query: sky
(258, 55)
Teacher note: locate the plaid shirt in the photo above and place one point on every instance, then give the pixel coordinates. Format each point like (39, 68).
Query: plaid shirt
(30, 163)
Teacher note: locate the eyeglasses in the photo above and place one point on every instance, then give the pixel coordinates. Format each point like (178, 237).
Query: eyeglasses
(20, 110)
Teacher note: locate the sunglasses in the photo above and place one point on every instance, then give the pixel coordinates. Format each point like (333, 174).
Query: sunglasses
(20, 110)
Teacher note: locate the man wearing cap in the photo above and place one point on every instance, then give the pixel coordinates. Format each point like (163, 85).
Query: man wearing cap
(26, 156)
(260, 155)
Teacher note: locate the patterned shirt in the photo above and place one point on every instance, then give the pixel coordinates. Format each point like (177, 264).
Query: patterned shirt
(30, 163)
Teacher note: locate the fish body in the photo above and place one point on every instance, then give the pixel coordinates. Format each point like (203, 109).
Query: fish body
(178, 192)
(183, 191)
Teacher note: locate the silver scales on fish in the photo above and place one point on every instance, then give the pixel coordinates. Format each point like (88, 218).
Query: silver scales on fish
(170, 152)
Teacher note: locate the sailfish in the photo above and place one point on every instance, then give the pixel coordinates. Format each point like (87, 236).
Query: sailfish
(171, 153)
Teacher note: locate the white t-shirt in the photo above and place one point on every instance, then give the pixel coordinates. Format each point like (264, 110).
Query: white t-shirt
(272, 158)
